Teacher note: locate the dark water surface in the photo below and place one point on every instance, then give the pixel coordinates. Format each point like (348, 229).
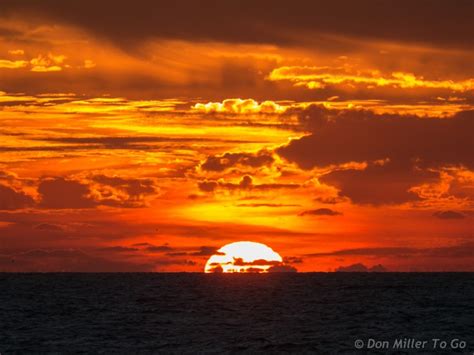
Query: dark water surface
(203, 313)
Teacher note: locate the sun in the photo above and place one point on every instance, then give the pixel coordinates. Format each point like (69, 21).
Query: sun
(243, 257)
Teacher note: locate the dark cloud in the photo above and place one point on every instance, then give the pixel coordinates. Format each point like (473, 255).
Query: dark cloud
(71, 260)
(177, 253)
(206, 251)
(11, 199)
(99, 143)
(49, 227)
(228, 160)
(282, 268)
(159, 248)
(124, 141)
(167, 262)
(36, 228)
(328, 200)
(462, 189)
(396, 157)
(340, 137)
(47, 253)
(320, 212)
(460, 250)
(142, 245)
(208, 186)
(390, 251)
(274, 266)
(62, 193)
(216, 269)
(77, 260)
(264, 21)
(246, 183)
(202, 251)
(378, 185)
(9, 33)
(292, 260)
(361, 268)
(258, 262)
(449, 215)
(265, 205)
(7, 176)
(135, 188)
(118, 249)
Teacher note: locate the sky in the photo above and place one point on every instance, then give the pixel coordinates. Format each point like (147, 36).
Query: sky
(146, 135)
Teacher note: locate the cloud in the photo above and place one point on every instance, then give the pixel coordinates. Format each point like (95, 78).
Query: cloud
(208, 185)
(202, 251)
(320, 212)
(206, 251)
(258, 262)
(49, 227)
(454, 251)
(16, 52)
(388, 251)
(361, 268)
(216, 269)
(68, 260)
(117, 249)
(12, 64)
(292, 260)
(391, 156)
(222, 162)
(257, 266)
(123, 142)
(379, 185)
(449, 215)
(329, 200)
(319, 77)
(282, 268)
(59, 193)
(367, 19)
(134, 188)
(142, 244)
(239, 106)
(159, 249)
(359, 136)
(167, 262)
(246, 183)
(41, 63)
(47, 63)
(265, 205)
(11, 199)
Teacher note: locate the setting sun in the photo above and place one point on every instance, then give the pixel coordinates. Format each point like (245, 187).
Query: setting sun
(243, 257)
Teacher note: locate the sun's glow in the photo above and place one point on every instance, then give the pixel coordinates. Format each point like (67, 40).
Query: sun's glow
(243, 257)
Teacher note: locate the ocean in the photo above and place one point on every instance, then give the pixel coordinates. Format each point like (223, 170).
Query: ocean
(323, 313)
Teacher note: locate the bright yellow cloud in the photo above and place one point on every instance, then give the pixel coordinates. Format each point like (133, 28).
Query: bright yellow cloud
(47, 63)
(319, 77)
(12, 64)
(240, 106)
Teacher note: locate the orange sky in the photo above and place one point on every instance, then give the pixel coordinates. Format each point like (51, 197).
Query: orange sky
(145, 137)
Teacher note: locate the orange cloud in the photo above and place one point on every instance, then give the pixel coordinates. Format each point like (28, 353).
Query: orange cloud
(12, 64)
(16, 52)
(46, 63)
(318, 77)
(239, 106)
